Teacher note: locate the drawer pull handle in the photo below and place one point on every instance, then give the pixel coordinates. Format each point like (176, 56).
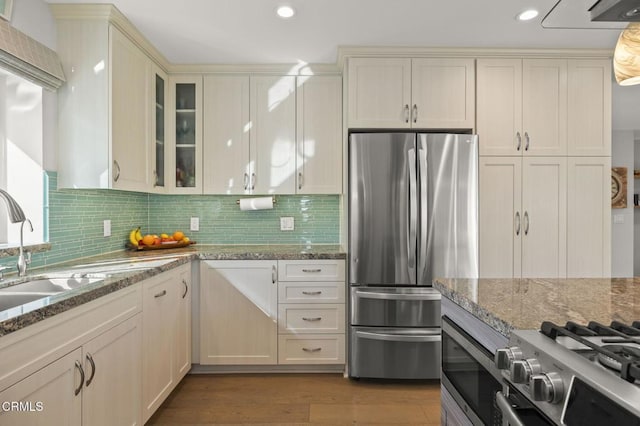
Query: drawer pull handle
(312, 319)
(162, 293)
(312, 349)
(312, 270)
(311, 293)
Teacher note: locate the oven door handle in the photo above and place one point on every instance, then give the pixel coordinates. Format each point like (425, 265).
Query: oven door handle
(398, 296)
(510, 417)
(399, 337)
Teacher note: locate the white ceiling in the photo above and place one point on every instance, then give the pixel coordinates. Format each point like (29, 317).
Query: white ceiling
(248, 31)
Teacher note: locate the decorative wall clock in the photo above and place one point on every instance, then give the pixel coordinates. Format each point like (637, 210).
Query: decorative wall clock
(618, 187)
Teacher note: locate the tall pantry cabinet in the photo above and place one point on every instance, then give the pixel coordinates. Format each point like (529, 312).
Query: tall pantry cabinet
(545, 144)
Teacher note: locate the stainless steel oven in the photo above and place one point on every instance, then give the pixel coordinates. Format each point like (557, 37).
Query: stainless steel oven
(470, 376)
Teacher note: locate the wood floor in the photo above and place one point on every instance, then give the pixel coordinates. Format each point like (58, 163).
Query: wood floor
(298, 399)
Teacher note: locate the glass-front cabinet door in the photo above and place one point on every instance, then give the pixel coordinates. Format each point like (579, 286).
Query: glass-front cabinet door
(187, 132)
(159, 115)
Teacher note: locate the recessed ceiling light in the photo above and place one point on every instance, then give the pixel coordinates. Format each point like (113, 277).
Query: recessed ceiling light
(286, 12)
(527, 15)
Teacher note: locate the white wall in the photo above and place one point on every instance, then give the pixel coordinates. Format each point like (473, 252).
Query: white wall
(34, 18)
(622, 239)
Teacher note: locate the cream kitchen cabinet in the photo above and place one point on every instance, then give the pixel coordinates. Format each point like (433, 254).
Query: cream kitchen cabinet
(166, 326)
(238, 312)
(411, 93)
(319, 134)
(104, 109)
(589, 107)
(589, 217)
(83, 366)
(522, 106)
(159, 118)
(264, 136)
(250, 141)
(311, 312)
(523, 217)
(185, 130)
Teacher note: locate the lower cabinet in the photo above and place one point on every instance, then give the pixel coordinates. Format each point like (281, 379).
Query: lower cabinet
(272, 312)
(238, 312)
(166, 335)
(95, 384)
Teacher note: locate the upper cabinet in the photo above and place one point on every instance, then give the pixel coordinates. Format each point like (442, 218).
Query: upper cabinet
(186, 134)
(319, 135)
(425, 93)
(544, 107)
(106, 108)
(264, 136)
(159, 108)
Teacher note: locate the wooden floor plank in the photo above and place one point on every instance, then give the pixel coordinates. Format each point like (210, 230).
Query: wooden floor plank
(298, 399)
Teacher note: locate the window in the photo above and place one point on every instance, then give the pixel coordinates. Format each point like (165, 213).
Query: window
(21, 156)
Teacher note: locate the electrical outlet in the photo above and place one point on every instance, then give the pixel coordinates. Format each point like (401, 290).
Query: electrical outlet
(286, 224)
(106, 227)
(195, 224)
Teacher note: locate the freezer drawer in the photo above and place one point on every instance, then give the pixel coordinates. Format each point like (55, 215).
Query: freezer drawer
(395, 353)
(395, 307)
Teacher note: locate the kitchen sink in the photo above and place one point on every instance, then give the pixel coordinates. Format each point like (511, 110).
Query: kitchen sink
(40, 288)
(117, 266)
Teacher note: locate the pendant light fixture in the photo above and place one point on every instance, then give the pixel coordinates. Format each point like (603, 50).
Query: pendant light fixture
(626, 58)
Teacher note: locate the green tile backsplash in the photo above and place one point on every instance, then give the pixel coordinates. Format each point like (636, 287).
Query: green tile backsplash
(76, 220)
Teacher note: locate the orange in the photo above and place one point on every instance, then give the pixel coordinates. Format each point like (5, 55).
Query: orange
(178, 235)
(148, 240)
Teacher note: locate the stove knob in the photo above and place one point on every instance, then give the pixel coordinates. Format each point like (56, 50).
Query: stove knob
(522, 369)
(546, 387)
(505, 356)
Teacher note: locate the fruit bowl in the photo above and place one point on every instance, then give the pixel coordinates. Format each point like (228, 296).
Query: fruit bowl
(163, 245)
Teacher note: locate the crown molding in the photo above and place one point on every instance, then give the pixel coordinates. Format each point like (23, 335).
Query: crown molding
(111, 14)
(279, 69)
(345, 52)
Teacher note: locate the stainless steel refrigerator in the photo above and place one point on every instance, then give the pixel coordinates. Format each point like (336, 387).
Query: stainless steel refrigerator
(413, 208)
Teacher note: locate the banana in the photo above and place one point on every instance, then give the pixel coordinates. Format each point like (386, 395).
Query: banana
(134, 236)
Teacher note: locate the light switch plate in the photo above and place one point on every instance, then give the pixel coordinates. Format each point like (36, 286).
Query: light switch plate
(106, 227)
(195, 224)
(618, 218)
(286, 224)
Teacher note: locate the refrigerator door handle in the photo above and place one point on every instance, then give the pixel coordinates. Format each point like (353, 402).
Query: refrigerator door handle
(413, 209)
(399, 337)
(424, 213)
(432, 295)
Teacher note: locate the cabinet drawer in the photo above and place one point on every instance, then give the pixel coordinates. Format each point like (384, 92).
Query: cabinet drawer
(311, 349)
(311, 270)
(306, 318)
(313, 292)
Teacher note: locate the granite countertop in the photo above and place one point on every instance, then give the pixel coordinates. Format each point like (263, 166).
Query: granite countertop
(507, 304)
(16, 318)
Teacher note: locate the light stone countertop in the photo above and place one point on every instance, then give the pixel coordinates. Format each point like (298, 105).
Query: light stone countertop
(19, 317)
(507, 304)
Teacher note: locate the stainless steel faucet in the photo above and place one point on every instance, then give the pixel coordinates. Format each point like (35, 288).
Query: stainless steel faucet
(23, 261)
(15, 211)
(16, 215)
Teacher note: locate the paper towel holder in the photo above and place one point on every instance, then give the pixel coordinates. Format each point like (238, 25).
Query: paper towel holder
(272, 199)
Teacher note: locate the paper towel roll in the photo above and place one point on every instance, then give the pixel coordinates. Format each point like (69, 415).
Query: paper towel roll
(262, 203)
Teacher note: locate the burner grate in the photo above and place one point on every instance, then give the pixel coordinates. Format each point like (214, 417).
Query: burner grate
(629, 368)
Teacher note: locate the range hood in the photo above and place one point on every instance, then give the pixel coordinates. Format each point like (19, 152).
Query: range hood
(616, 11)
